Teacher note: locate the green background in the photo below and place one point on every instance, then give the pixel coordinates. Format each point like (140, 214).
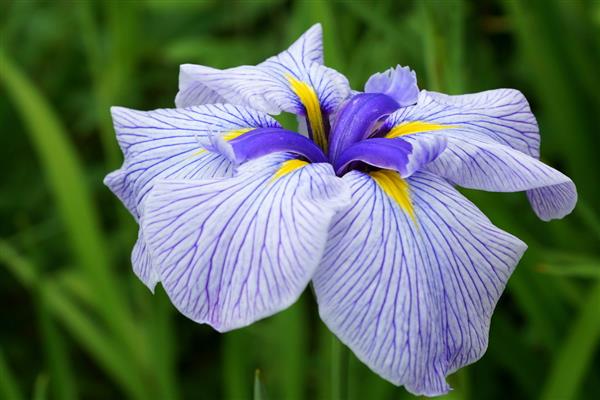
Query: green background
(76, 323)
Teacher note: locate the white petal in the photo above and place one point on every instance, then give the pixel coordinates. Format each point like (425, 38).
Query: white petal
(266, 86)
(413, 298)
(232, 251)
(502, 114)
(168, 143)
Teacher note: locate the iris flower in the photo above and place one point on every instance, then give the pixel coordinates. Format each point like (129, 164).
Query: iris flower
(238, 215)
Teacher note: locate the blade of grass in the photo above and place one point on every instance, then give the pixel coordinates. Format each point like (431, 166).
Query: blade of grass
(65, 176)
(323, 363)
(543, 54)
(97, 342)
(62, 377)
(286, 334)
(9, 388)
(590, 270)
(235, 358)
(576, 352)
(112, 68)
(40, 388)
(339, 369)
(259, 390)
(431, 49)
(163, 342)
(306, 14)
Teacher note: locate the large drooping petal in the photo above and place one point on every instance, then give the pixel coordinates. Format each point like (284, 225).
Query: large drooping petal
(269, 86)
(502, 114)
(231, 251)
(142, 264)
(167, 144)
(477, 162)
(493, 144)
(412, 293)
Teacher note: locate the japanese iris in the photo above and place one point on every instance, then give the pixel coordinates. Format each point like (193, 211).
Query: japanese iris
(238, 215)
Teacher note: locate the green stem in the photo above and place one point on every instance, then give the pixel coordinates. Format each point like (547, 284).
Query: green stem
(339, 368)
(576, 353)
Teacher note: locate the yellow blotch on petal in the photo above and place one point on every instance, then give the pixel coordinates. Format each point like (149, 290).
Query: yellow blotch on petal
(237, 133)
(396, 188)
(414, 127)
(308, 97)
(287, 167)
(228, 136)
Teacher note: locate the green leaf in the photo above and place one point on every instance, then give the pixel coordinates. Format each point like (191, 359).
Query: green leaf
(40, 388)
(587, 270)
(77, 322)
(66, 179)
(259, 390)
(576, 353)
(62, 375)
(9, 388)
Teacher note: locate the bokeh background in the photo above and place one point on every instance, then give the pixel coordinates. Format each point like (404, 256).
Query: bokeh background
(76, 323)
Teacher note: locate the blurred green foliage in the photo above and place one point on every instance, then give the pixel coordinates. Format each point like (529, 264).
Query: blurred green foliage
(76, 323)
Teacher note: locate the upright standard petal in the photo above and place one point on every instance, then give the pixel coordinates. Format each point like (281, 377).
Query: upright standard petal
(294, 81)
(232, 251)
(168, 143)
(269, 85)
(193, 91)
(399, 83)
(411, 287)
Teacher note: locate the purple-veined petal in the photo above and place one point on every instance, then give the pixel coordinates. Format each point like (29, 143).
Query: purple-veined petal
(167, 144)
(398, 155)
(234, 250)
(474, 161)
(413, 297)
(553, 202)
(193, 92)
(357, 119)
(141, 262)
(502, 114)
(267, 86)
(263, 141)
(400, 83)
(476, 124)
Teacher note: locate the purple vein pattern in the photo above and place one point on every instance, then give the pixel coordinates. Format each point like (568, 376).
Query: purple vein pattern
(493, 145)
(235, 250)
(266, 86)
(413, 301)
(238, 215)
(164, 144)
